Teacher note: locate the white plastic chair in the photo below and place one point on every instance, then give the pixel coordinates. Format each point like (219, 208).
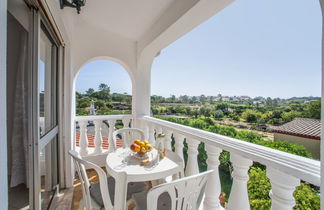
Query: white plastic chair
(181, 194)
(128, 135)
(99, 195)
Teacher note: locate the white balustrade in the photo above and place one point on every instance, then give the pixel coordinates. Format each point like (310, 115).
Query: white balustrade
(178, 146)
(239, 198)
(126, 122)
(283, 187)
(111, 123)
(83, 138)
(192, 163)
(242, 155)
(213, 187)
(151, 136)
(98, 137)
(98, 120)
(168, 139)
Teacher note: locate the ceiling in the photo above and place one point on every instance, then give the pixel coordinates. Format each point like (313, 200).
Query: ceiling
(127, 18)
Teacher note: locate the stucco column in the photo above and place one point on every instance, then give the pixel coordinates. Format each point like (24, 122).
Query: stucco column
(141, 104)
(142, 91)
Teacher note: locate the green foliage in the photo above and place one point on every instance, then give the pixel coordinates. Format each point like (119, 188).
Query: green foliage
(250, 115)
(219, 114)
(104, 102)
(289, 116)
(259, 188)
(306, 197)
(313, 110)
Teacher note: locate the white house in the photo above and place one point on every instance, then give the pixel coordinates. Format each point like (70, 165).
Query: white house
(302, 131)
(43, 47)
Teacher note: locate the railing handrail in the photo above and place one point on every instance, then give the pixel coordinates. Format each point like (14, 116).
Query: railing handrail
(300, 167)
(102, 117)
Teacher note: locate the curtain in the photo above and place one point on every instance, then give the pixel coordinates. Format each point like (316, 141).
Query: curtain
(18, 144)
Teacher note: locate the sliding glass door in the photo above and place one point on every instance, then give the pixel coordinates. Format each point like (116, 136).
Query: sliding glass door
(45, 102)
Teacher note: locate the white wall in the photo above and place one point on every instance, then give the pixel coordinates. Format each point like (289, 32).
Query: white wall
(312, 145)
(3, 104)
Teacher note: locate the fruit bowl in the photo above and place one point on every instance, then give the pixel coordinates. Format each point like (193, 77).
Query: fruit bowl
(141, 148)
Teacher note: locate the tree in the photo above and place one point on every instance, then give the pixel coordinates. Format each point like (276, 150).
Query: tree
(250, 115)
(268, 101)
(313, 110)
(222, 106)
(90, 92)
(289, 116)
(104, 91)
(219, 114)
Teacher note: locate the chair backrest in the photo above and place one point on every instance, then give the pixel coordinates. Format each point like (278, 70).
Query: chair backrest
(80, 165)
(184, 194)
(128, 135)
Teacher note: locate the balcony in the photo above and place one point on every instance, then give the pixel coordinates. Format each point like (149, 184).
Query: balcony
(285, 171)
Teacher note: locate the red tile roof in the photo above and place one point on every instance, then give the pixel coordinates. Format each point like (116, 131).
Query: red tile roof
(91, 144)
(302, 127)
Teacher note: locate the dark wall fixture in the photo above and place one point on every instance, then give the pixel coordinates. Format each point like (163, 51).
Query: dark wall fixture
(74, 4)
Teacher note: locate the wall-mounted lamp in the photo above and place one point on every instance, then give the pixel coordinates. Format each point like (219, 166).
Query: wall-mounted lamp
(74, 4)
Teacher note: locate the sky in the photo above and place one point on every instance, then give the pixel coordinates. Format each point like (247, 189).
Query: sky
(255, 48)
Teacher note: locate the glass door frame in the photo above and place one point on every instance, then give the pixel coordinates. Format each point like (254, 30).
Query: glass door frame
(38, 141)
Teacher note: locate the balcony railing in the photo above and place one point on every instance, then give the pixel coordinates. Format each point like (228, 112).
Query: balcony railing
(284, 170)
(92, 142)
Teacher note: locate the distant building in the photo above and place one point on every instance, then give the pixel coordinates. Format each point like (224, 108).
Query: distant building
(244, 98)
(226, 98)
(302, 131)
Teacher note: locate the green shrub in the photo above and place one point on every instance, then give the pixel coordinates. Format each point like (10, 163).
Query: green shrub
(259, 188)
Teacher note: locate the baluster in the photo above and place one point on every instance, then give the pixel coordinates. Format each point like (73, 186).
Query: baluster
(98, 137)
(167, 140)
(151, 134)
(159, 131)
(283, 187)
(146, 130)
(192, 164)
(111, 142)
(126, 136)
(239, 195)
(213, 187)
(178, 146)
(126, 122)
(83, 137)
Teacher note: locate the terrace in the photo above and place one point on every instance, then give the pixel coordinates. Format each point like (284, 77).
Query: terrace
(132, 34)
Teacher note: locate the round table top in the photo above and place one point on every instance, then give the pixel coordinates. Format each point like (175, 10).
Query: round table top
(115, 162)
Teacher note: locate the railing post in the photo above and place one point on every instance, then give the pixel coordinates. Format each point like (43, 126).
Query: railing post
(168, 139)
(111, 142)
(192, 164)
(213, 187)
(283, 187)
(98, 137)
(83, 137)
(239, 198)
(178, 146)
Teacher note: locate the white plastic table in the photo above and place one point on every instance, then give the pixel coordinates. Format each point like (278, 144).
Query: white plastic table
(125, 173)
